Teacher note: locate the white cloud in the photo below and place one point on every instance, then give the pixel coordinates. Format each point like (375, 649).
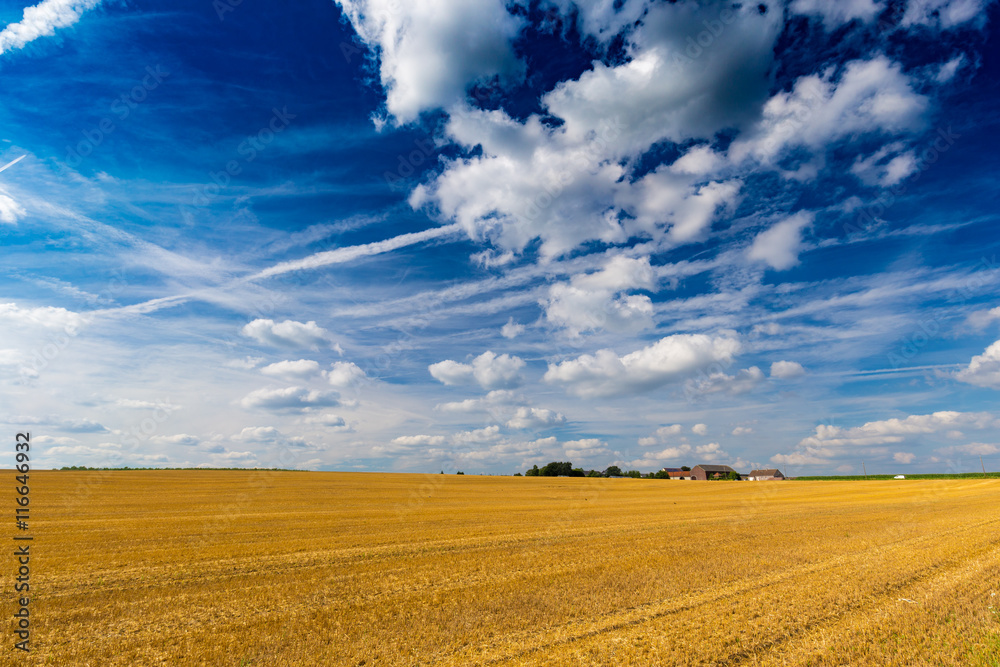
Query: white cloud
(329, 420)
(512, 329)
(288, 334)
(742, 430)
(488, 370)
(779, 246)
(668, 360)
(525, 417)
(742, 382)
(494, 398)
(10, 210)
(430, 51)
(566, 185)
(419, 440)
(980, 319)
(984, 369)
(288, 398)
(835, 14)
(345, 374)
(872, 96)
(661, 435)
(46, 317)
(887, 166)
(597, 300)
(699, 429)
(181, 439)
(258, 434)
(246, 363)
(833, 442)
(948, 70)
(477, 436)
(787, 370)
(42, 20)
(944, 13)
(292, 370)
(904, 457)
(586, 448)
(971, 449)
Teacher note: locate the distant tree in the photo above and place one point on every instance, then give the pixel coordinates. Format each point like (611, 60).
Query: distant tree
(685, 468)
(662, 474)
(459, 473)
(517, 474)
(577, 472)
(734, 476)
(633, 473)
(594, 473)
(533, 472)
(613, 471)
(556, 468)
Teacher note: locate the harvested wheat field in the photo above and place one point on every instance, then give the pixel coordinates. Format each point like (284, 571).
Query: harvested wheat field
(298, 568)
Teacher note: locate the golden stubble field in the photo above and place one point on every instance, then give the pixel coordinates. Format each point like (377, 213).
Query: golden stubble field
(299, 568)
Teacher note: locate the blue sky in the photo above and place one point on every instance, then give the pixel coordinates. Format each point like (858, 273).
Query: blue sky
(482, 235)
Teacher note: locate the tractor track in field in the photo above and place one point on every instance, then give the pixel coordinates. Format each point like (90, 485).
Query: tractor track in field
(652, 611)
(876, 598)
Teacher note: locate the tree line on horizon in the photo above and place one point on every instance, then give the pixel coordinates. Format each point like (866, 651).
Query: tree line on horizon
(566, 469)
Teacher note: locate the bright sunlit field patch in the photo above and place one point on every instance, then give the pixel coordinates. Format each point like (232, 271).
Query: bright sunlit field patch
(299, 568)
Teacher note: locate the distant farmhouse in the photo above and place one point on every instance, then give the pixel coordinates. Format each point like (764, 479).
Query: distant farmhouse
(707, 472)
(765, 475)
(677, 473)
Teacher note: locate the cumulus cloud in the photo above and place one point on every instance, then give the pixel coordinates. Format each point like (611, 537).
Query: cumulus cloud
(872, 96)
(430, 52)
(668, 360)
(661, 435)
(328, 420)
(46, 317)
(779, 246)
(494, 398)
(598, 300)
(742, 382)
(904, 457)
(699, 429)
(182, 439)
(742, 430)
(567, 185)
(832, 442)
(586, 448)
(488, 370)
(512, 329)
(419, 440)
(246, 363)
(984, 369)
(980, 319)
(42, 20)
(345, 374)
(787, 370)
(292, 370)
(289, 334)
(526, 417)
(971, 449)
(479, 435)
(293, 399)
(887, 166)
